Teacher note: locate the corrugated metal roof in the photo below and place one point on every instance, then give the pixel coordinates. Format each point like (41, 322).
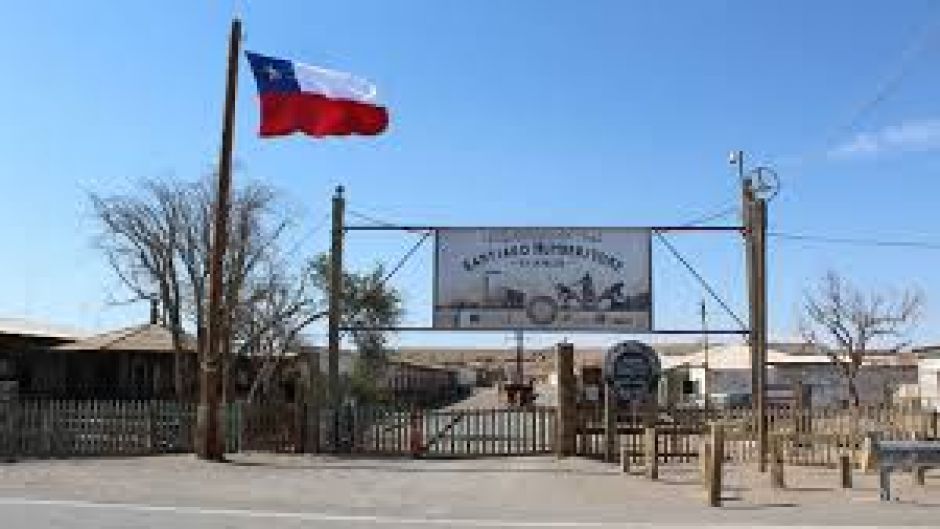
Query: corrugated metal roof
(147, 338)
(739, 357)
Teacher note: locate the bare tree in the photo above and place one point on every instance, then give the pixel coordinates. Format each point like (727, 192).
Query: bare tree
(847, 323)
(157, 242)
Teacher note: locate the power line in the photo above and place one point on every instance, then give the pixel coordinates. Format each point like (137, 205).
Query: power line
(890, 83)
(368, 218)
(720, 214)
(688, 266)
(306, 236)
(920, 245)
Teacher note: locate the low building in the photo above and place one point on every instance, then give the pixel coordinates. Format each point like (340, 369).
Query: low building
(724, 373)
(137, 362)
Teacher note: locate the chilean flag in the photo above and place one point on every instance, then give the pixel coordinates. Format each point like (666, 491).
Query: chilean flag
(297, 97)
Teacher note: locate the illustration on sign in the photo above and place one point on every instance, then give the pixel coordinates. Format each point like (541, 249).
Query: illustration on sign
(558, 278)
(632, 368)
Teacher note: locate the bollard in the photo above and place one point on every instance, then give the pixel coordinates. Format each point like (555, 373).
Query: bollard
(703, 455)
(845, 469)
(869, 452)
(652, 457)
(884, 484)
(716, 458)
(776, 464)
(624, 459)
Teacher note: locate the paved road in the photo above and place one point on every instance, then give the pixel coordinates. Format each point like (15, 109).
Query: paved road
(265, 491)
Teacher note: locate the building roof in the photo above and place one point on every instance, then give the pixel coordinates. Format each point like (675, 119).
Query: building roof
(35, 329)
(145, 338)
(739, 357)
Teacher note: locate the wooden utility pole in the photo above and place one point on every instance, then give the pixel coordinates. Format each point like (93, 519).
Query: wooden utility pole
(754, 211)
(759, 325)
(209, 439)
(335, 312)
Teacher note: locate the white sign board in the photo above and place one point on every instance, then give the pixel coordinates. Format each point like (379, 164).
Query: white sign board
(545, 278)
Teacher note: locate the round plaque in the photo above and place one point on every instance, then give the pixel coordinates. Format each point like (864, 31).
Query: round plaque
(633, 369)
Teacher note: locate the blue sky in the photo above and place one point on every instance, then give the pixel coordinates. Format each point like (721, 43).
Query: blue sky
(516, 113)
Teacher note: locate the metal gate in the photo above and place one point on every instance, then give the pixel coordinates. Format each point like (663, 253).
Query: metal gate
(442, 433)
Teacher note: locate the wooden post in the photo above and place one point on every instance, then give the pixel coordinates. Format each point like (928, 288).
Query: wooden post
(799, 404)
(624, 459)
(715, 462)
(567, 401)
(869, 452)
(759, 226)
(776, 463)
(919, 474)
(845, 470)
(335, 313)
(610, 423)
(312, 443)
(704, 453)
(652, 454)
(884, 484)
(209, 441)
(747, 209)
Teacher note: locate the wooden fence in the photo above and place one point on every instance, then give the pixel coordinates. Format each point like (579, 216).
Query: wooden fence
(102, 428)
(94, 428)
(810, 436)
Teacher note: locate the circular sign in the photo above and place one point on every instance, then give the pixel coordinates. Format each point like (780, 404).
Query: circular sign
(632, 368)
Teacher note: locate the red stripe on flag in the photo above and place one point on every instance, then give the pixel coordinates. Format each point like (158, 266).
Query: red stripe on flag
(317, 115)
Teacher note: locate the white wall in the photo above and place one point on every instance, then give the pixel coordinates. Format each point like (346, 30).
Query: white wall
(928, 377)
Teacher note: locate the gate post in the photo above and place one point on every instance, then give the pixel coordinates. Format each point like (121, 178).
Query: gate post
(845, 469)
(567, 400)
(610, 423)
(716, 458)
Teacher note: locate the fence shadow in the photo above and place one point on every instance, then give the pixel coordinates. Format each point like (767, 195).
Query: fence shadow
(391, 468)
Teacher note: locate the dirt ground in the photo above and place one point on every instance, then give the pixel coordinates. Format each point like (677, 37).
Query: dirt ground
(314, 491)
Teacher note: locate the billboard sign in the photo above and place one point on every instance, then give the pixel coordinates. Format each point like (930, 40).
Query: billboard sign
(543, 278)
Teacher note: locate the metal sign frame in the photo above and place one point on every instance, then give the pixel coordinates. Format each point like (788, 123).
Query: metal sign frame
(654, 230)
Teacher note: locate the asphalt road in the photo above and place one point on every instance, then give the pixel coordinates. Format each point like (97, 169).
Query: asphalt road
(264, 491)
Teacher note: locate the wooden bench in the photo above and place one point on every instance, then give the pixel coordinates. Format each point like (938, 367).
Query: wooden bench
(913, 456)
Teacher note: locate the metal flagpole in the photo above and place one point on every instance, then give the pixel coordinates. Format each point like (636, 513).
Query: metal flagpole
(209, 441)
